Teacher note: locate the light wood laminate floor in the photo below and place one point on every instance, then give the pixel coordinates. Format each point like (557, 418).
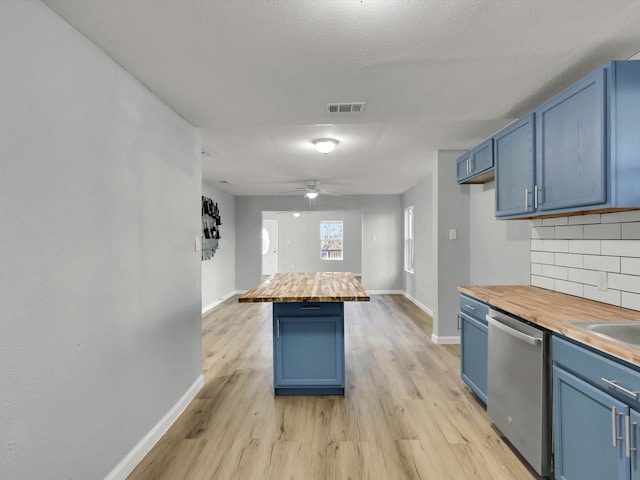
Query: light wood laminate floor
(406, 413)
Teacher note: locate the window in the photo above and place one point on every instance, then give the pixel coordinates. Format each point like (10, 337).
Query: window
(331, 240)
(408, 240)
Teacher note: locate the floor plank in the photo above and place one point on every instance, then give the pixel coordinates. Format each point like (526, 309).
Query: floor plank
(406, 413)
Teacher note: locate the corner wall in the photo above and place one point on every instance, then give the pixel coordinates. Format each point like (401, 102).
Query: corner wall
(451, 211)
(421, 285)
(219, 273)
(100, 281)
(487, 251)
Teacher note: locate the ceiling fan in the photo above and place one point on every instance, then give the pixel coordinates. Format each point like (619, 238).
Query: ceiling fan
(312, 189)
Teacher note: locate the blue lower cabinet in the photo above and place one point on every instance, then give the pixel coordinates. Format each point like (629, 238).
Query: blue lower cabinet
(585, 422)
(308, 351)
(474, 344)
(634, 436)
(473, 354)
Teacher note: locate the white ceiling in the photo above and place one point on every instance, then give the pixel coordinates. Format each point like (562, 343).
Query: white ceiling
(255, 76)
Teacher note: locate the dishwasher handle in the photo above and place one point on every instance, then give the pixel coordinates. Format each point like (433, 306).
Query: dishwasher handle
(513, 332)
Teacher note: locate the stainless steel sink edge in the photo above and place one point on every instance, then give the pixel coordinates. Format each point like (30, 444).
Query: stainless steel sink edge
(627, 331)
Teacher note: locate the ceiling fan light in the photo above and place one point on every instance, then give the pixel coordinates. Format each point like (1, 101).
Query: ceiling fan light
(325, 145)
(311, 195)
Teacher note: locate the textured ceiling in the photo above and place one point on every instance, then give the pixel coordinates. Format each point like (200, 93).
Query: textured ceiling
(436, 75)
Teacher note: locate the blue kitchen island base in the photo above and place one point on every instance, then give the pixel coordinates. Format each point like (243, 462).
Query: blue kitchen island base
(308, 348)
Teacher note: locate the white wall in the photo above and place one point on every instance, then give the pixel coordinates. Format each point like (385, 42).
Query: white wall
(451, 211)
(299, 241)
(569, 253)
(499, 249)
(381, 218)
(219, 273)
(99, 207)
(421, 284)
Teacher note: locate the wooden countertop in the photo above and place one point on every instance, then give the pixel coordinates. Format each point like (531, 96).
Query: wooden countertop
(554, 311)
(307, 287)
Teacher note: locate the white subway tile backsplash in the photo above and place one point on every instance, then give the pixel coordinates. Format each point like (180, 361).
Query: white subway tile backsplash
(569, 260)
(631, 231)
(618, 217)
(554, 271)
(555, 245)
(535, 222)
(622, 248)
(543, 232)
(569, 288)
(570, 231)
(630, 265)
(568, 253)
(584, 219)
(603, 231)
(591, 247)
(631, 300)
(536, 245)
(626, 283)
(602, 263)
(549, 222)
(543, 257)
(610, 296)
(542, 282)
(579, 275)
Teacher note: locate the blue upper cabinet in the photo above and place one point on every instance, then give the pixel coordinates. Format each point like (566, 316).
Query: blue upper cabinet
(476, 166)
(514, 150)
(585, 145)
(571, 167)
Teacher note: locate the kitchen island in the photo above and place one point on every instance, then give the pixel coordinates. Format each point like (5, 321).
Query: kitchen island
(308, 329)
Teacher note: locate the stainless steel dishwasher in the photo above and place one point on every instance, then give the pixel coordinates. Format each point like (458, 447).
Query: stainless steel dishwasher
(519, 387)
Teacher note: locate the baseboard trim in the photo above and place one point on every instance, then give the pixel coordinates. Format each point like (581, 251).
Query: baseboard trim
(421, 306)
(453, 340)
(213, 305)
(135, 456)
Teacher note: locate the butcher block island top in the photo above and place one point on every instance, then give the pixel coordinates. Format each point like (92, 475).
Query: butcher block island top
(555, 311)
(308, 287)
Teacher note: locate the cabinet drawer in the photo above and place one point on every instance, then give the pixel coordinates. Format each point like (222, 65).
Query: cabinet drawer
(474, 308)
(308, 309)
(595, 368)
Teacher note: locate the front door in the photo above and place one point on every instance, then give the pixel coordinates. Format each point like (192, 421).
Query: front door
(269, 247)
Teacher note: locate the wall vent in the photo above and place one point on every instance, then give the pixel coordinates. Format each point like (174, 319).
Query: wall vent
(352, 107)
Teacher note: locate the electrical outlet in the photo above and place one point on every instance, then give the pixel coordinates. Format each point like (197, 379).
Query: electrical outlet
(601, 281)
(198, 243)
(453, 234)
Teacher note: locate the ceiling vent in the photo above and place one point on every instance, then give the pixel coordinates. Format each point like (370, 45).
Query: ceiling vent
(353, 107)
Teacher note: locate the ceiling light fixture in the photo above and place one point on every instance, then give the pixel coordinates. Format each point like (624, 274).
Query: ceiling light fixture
(325, 145)
(296, 214)
(311, 195)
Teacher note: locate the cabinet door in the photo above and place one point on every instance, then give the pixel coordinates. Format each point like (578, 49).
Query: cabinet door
(473, 355)
(482, 157)
(571, 161)
(634, 436)
(515, 160)
(309, 351)
(463, 165)
(585, 428)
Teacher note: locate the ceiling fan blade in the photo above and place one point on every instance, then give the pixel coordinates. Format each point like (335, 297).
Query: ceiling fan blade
(329, 192)
(297, 190)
